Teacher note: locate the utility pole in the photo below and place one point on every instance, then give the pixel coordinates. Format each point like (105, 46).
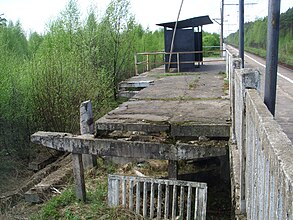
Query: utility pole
(272, 55)
(241, 31)
(222, 28)
(241, 27)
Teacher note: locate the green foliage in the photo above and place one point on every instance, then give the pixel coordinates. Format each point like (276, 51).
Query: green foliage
(62, 77)
(211, 39)
(15, 110)
(255, 37)
(45, 78)
(148, 41)
(2, 20)
(34, 42)
(211, 43)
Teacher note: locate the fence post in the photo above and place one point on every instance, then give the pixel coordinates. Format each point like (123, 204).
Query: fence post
(135, 64)
(244, 79)
(148, 62)
(178, 62)
(87, 127)
(227, 65)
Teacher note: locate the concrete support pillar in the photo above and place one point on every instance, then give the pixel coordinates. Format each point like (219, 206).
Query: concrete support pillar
(78, 173)
(81, 161)
(87, 127)
(173, 169)
(235, 63)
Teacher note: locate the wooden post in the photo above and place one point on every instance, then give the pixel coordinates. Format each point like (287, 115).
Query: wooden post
(178, 62)
(164, 62)
(135, 64)
(79, 177)
(148, 62)
(87, 127)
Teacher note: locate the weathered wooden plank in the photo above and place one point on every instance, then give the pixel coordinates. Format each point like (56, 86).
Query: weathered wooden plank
(43, 160)
(87, 144)
(43, 190)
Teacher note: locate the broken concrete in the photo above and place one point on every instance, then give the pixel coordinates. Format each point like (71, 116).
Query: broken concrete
(43, 160)
(136, 84)
(49, 185)
(13, 197)
(159, 116)
(180, 104)
(88, 144)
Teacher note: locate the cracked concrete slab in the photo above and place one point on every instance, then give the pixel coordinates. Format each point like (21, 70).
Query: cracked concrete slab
(182, 104)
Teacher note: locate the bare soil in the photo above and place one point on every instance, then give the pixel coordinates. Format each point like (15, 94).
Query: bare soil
(16, 178)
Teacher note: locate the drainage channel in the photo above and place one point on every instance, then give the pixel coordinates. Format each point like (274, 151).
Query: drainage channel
(185, 196)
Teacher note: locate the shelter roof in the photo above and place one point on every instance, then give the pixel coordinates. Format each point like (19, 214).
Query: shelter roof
(191, 22)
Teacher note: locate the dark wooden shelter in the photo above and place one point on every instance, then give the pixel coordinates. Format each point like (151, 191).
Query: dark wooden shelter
(188, 38)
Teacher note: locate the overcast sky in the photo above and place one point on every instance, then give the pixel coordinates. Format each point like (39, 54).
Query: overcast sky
(35, 14)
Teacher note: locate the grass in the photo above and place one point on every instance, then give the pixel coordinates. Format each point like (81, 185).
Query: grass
(226, 87)
(65, 206)
(13, 172)
(283, 57)
(226, 82)
(192, 84)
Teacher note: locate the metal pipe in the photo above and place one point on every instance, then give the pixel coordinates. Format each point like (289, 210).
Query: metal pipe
(272, 55)
(174, 33)
(241, 31)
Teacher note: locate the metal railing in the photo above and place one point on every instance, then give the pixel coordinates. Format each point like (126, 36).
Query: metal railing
(148, 63)
(158, 198)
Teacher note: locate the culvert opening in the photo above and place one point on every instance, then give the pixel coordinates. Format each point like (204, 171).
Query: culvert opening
(214, 172)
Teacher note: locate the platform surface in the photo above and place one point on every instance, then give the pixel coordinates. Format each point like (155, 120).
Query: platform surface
(189, 104)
